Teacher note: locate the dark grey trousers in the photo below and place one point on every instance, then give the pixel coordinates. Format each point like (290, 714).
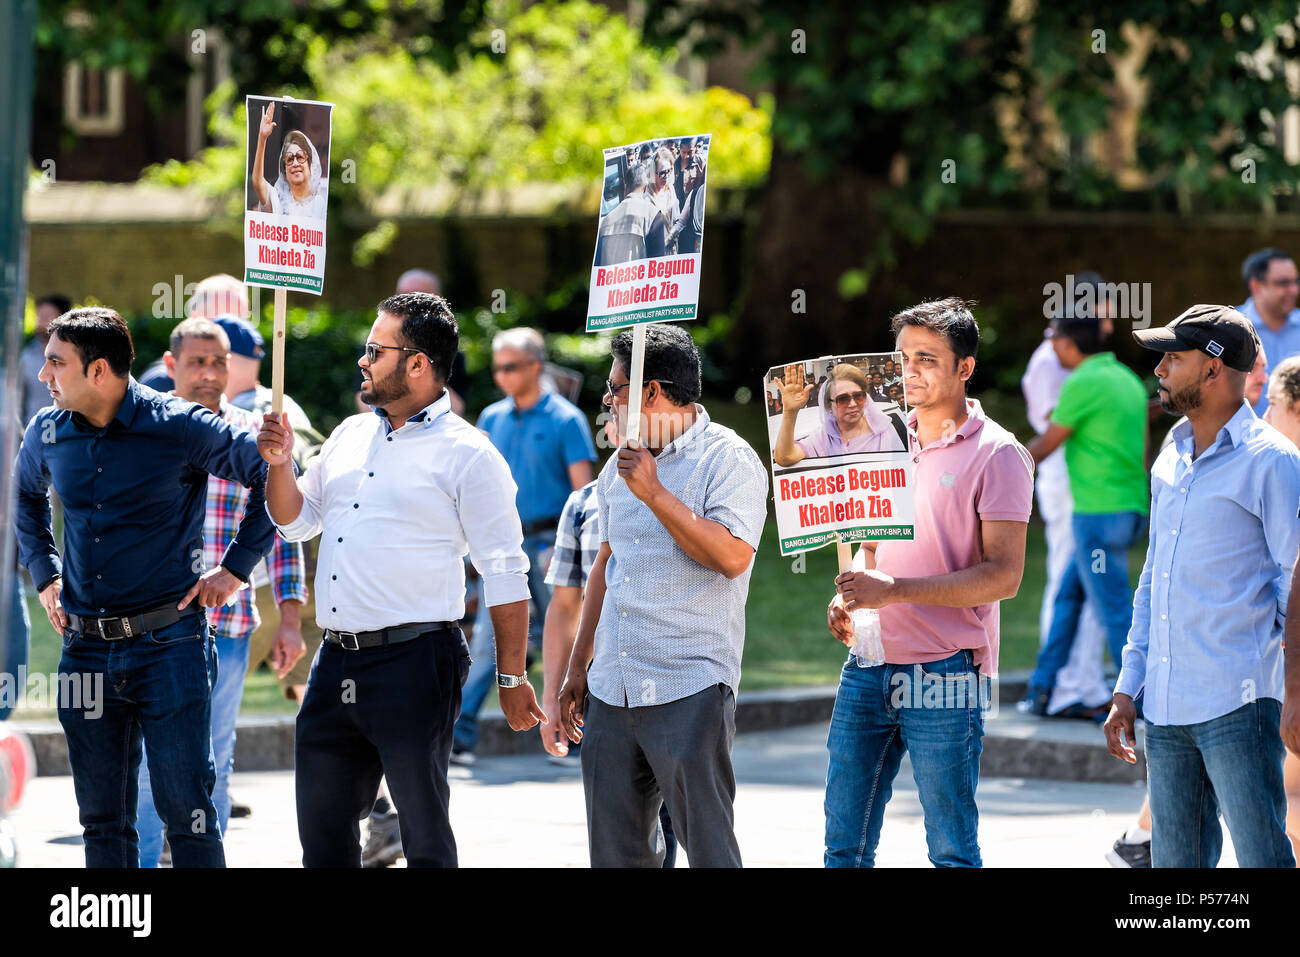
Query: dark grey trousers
(678, 754)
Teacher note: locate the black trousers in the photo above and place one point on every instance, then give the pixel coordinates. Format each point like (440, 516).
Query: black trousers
(376, 712)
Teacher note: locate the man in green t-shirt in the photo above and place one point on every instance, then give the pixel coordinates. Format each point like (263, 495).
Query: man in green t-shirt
(1101, 416)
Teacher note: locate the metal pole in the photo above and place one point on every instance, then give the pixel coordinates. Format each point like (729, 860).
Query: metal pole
(17, 20)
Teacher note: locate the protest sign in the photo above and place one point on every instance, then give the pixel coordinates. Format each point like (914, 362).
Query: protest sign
(841, 469)
(650, 234)
(286, 195)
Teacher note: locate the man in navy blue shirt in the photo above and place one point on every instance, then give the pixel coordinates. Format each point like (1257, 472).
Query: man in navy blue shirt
(546, 441)
(131, 467)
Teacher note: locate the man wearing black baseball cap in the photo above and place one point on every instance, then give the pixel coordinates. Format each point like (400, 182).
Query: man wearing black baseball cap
(1205, 648)
(1221, 332)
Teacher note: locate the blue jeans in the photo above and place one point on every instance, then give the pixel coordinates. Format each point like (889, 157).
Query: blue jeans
(151, 694)
(232, 663)
(483, 670)
(15, 640)
(1098, 573)
(1230, 765)
(931, 711)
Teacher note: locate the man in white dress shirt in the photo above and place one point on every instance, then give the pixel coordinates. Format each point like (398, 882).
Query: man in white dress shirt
(398, 497)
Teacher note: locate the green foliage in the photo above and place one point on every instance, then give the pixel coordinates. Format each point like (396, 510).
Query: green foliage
(573, 79)
(902, 88)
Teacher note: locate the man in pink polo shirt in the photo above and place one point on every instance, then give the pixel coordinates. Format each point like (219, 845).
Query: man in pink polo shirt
(938, 598)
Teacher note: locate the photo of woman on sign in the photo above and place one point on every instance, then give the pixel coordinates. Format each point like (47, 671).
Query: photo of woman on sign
(299, 189)
(850, 420)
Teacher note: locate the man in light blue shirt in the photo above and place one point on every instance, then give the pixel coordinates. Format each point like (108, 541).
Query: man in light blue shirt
(1271, 279)
(546, 441)
(1206, 642)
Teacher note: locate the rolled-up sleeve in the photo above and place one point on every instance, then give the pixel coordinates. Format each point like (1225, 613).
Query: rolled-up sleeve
(311, 484)
(737, 495)
(485, 501)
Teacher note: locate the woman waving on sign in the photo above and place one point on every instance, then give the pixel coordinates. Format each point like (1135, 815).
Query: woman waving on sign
(850, 420)
(300, 189)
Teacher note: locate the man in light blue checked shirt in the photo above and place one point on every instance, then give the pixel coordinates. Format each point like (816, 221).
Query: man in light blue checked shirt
(663, 620)
(1205, 647)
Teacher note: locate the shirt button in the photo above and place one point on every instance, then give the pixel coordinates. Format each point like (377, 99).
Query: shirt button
(99, 470)
(1164, 617)
(1166, 574)
(1183, 490)
(99, 506)
(333, 609)
(97, 541)
(623, 613)
(1164, 659)
(340, 539)
(622, 654)
(1173, 531)
(390, 438)
(99, 578)
(626, 579)
(356, 505)
(101, 611)
(372, 474)
(636, 541)
(334, 578)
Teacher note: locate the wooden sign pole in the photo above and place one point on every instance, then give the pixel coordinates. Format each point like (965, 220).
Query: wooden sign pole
(845, 552)
(635, 375)
(277, 353)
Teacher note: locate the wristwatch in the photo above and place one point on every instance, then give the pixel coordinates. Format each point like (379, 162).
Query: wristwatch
(511, 681)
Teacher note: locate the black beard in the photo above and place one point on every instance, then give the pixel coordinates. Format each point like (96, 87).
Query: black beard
(1182, 401)
(391, 388)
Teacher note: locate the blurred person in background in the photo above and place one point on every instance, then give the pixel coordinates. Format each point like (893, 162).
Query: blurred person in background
(198, 363)
(1100, 417)
(1272, 285)
(548, 445)
(35, 395)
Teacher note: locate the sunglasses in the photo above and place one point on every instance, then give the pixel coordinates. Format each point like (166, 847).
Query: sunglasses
(373, 349)
(509, 367)
(857, 398)
(614, 390)
(295, 158)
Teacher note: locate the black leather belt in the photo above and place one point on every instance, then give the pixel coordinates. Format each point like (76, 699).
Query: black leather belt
(356, 640)
(542, 525)
(131, 626)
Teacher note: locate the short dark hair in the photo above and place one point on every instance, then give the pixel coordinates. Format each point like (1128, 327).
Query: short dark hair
(59, 302)
(196, 328)
(1084, 332)
(429, 325)
(97, 332)
(950, 317)
(670, 358)
(1256, 264)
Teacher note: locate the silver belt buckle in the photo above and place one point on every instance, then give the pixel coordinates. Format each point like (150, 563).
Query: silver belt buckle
(343, 635)
(103, 633)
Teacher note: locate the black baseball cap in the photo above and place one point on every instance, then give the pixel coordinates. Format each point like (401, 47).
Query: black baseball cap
(1218, 331)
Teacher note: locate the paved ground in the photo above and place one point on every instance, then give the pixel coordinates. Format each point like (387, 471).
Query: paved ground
(525, 812)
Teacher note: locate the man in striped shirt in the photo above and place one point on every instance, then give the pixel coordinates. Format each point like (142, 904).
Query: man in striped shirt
(198, 363)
